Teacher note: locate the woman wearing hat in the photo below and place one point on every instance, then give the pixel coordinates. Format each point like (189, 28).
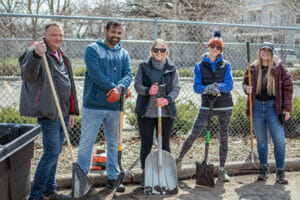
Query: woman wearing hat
(271, 90)
(213, 76)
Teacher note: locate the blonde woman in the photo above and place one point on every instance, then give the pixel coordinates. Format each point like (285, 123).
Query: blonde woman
(271, 90)
(157, 69)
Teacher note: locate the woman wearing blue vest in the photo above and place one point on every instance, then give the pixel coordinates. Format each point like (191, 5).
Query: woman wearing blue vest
(156, 70)
(213, 76)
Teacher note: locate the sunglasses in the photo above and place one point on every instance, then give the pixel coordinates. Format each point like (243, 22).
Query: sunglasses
(214, 46)
(156, 50)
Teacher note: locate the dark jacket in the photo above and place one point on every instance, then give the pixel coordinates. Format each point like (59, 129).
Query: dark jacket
(210, 77)
(36, 98)
(283, 85)
(143, 84)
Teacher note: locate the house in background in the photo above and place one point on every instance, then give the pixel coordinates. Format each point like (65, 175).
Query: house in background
(274, 13)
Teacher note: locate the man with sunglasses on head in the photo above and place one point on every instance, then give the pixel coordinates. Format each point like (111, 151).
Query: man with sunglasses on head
(213, 77)
(108, 75)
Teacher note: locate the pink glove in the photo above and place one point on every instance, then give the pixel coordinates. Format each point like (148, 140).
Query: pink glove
(153, 90)
(160, 102)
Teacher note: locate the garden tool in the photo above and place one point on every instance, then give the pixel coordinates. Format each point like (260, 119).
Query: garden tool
(160, 166)
(252, 161)
(82, 188)
(204, 172)
(121, 174)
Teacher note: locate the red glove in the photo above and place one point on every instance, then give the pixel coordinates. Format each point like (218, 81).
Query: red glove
(161, 102)
(127, 93)
(153, 90)
(113, 95)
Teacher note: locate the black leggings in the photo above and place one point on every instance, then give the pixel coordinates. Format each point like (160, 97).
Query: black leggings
(146, 130)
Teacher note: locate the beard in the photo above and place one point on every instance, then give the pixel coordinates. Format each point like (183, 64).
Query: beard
(114, 40)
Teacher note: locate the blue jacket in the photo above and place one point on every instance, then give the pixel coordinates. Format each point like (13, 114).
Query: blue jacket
(107, 68)
(226, 86)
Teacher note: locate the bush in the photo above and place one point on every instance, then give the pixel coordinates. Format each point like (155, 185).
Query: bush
(292, 127)
(296, 74)
(183, 121)
(239, 122)
(186, 114)
(79, 71)
(238, 73)
(10, 114)
(186, 73)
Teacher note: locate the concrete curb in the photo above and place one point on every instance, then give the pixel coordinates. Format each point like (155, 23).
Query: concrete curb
(187, 172)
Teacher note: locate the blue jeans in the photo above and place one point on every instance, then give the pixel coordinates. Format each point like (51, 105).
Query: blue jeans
(90, 124)
(264, 116)
(53, 139)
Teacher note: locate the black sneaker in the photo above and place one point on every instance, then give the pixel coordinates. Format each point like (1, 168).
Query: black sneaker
(280, 177)
(263, 173)
(56, 196)
(112, 182)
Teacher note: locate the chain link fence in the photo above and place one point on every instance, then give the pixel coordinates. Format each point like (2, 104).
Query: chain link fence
(187, 42)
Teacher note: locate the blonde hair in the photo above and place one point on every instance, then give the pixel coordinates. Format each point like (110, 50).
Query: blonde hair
(159, 41)
(270, 76)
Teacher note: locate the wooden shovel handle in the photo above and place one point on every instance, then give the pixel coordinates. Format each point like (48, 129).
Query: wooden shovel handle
(58, 106)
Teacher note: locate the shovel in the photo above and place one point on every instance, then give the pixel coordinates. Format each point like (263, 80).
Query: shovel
(204, 172)
(81, 185)
(160, 166)
(121, 174)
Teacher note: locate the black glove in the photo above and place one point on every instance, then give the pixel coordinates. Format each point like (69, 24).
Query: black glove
(212, 89)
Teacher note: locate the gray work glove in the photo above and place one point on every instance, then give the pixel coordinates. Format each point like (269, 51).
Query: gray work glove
(212, 89)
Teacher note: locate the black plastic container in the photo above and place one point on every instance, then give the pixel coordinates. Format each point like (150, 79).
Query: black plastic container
(16, 152)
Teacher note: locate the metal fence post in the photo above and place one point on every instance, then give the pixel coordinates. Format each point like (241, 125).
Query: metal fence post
(155, 29)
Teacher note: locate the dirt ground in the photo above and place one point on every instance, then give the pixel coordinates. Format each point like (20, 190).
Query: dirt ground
(239, 188)
(238, 151)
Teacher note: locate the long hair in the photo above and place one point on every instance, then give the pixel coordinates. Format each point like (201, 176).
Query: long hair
(270, 77)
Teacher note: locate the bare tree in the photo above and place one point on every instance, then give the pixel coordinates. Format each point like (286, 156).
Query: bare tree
(7, 25)
(32, 7)
(192, 10)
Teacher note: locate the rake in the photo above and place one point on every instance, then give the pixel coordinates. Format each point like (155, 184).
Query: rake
(252, 162)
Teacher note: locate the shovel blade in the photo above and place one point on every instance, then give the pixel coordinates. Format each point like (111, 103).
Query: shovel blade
(81, 185)
(160, 179)
(205, 174)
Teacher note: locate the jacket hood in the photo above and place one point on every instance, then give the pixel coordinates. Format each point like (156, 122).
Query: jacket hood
(101, 42)
(277, 61)
(206, 59)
